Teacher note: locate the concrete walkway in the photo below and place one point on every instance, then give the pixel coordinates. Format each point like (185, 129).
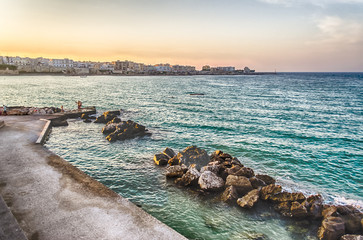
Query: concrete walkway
(51, 199)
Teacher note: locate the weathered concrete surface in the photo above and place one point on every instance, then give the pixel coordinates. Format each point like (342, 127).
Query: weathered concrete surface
(51, 199)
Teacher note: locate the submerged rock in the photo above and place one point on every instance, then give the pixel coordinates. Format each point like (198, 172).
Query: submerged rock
(209, 181)
(59, 123)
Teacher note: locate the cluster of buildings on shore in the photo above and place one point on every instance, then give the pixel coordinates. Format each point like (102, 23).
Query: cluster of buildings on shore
(71, 67)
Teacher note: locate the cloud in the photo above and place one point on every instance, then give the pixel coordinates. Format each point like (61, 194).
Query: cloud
(339, 32)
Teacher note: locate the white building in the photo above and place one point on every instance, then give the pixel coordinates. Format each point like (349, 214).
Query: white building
(61, 63)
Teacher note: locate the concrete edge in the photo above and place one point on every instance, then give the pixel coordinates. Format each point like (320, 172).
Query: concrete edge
(2, 124)
(9, 226)
(46, 129)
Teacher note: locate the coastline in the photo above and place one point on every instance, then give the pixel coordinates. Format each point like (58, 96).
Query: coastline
(49, 196)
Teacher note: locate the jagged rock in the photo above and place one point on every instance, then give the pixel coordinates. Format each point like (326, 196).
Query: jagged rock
(270, 190)
(114, 120)
(352, 218)
(266, 178)
(169, 152)
(314, 206)
(190, 178)
(106, 117)
(233, 170)
(329, 210)
(332, 228)
(284, 208)
(176, 171)
(256, 182)
(246, 172)
(126, 130)
(286, 196)
(209, 181)
(230, 194)
(242, 184)
(174, 161)
(250, 199)
(161, 159)
(213, 168)
(298, 210)
(351, 237)
(193, 155)
(109, 128)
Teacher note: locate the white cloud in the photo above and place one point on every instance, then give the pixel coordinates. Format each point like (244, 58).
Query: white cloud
(335, 31)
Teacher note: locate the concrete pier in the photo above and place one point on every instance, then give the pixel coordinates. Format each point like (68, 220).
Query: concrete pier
(52, 199)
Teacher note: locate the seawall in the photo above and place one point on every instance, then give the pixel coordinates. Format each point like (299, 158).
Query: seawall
(52, 199)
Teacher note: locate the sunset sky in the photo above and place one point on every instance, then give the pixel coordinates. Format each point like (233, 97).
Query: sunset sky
(286, 35)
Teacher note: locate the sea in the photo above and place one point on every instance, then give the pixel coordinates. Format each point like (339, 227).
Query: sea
(304, 129)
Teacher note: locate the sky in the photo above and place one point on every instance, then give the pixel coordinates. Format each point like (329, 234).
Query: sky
(266, 35)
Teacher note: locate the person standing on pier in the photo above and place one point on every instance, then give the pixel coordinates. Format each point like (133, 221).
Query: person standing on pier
(5, 110)
(79, 105)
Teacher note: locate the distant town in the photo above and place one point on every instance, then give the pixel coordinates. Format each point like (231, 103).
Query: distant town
(25, 65)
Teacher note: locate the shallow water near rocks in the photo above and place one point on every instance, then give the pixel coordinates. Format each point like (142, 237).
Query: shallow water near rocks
(304, 129)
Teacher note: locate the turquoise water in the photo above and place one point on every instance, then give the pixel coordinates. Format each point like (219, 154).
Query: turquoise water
(304, 129)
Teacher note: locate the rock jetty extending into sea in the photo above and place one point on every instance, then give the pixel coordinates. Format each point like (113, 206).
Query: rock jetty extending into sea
(237, 184)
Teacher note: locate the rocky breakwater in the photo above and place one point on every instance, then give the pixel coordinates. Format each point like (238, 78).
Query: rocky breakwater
(21, 110)
(226, 175)
(116, 129)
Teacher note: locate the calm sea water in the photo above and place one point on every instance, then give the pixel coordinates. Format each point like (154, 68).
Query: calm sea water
(304, 129)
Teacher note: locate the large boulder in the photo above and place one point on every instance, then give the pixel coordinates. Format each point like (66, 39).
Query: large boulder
(209, 181)
(107, 116)
(109, 128)
(314, 204)
(298, 210)
(161, 159)
(242, 184)
(230, 194)
(266, 178)
(352, 218)
(176, 171)
(190, 178)
(288, 197)
(193, 155)
(270, 190)
(250, 199)
(127, 130)
(169, 152)
(332, 228)
(246, 172)
(256, 182)
(212, 168)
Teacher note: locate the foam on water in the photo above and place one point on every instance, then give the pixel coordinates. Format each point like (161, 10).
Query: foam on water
(303, 129)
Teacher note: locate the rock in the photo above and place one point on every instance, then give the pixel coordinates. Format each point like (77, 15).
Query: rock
(109, 128)
(106, 117)
(174, 161)
(230, 194)
(256, 182)
(169, 152)
(246, 172)
(126, 130)
(176, 171)
(352, 218)
(212, 168)
(161, 159)
(266, 178)
(233, 170)
(332, 228)
(351, 237)
(193, 155)
(298, 210)
(250, 199)
(87, 120)
(329, 210)
(284, 208)
(270, 190)
(314, 206)
(59, 123)
(242, 184)
(209, 181)
(84, 116)
(288, 197)
(114, 120)
(190, 178)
